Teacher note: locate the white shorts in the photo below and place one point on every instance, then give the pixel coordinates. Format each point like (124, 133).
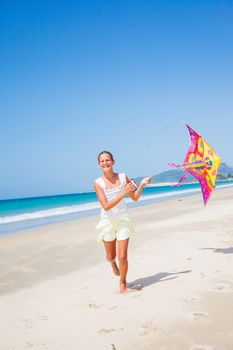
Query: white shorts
(111, 228)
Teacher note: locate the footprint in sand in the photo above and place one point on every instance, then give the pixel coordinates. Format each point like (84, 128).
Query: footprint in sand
(7, 283)
(113, 307)
(28, 323)
(192, 299)
(26, 269)
(149, 327)
(29, 345)
(135, 286)
(48, 345)
(42, 317)
(222, 287)
(201, 347)
(104, 330)
(198, 315)
(94, 306)
(219, 287)
(110, 330)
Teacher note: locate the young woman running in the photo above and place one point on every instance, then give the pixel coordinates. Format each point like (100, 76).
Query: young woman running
(115, 226)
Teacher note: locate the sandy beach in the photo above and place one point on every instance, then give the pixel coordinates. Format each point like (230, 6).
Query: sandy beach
(58, 292)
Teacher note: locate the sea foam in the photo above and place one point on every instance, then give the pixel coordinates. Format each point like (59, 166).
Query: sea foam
(94, 206)
(80, 208)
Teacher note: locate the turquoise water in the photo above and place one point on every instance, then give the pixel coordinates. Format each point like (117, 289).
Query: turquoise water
(21, 213)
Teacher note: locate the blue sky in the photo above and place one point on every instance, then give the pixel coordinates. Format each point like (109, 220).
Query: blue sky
(78, 77)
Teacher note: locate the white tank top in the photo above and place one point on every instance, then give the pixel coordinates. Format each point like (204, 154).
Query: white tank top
(110, 193)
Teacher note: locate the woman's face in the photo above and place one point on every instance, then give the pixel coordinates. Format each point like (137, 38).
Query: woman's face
(105, 162)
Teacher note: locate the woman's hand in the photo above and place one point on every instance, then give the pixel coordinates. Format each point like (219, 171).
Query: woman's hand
(146, 181)
(129, 187)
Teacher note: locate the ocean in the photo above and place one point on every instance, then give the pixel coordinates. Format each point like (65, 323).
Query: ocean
(23, 213)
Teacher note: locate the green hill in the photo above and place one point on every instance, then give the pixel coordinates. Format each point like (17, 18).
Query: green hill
(225, 173)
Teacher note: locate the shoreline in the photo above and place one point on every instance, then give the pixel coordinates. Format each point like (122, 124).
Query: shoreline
(40, 218)
(56, 287)
(172, 183)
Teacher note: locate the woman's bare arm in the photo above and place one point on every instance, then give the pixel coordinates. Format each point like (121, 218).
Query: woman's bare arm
(107, 205)
(136, 195)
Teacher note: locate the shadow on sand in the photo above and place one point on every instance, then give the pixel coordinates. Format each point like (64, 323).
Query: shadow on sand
(220, 250)
(159, 277)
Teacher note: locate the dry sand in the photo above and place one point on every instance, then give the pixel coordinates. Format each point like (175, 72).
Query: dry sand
(57, 291)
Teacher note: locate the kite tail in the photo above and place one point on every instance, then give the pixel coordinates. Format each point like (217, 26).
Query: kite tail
(183, 177)
(173, 165)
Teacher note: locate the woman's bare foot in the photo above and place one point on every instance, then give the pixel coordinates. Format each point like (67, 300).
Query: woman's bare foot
(123, 288)
(115, 268)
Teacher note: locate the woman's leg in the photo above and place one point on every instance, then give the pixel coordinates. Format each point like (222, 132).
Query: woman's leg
(123, 263)
(110, 248)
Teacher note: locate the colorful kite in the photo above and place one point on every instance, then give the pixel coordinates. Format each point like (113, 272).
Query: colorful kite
(202, 162)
